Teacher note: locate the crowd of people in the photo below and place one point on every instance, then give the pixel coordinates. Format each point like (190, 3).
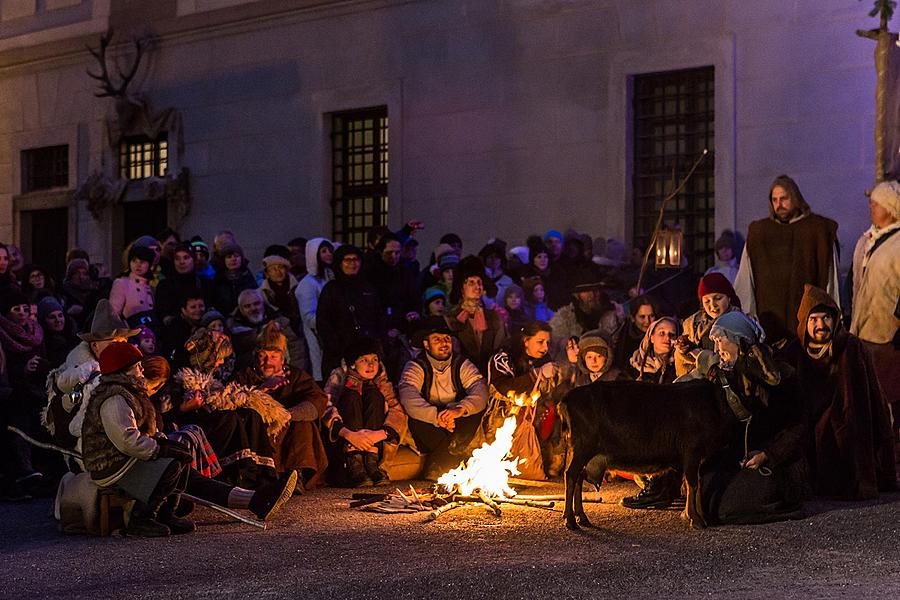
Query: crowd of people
(191, 373)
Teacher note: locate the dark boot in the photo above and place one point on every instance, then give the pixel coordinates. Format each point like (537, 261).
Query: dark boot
(356, 470)
(655, 494)
(269, 498)
(167, 515)
(143, 522)
(370, 462)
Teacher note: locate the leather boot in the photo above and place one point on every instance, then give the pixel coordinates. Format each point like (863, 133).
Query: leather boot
(167, 515)
(370, 462)
(356, 470)
(143, 522)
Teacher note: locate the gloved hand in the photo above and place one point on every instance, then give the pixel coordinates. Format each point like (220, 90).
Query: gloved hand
(175, 450)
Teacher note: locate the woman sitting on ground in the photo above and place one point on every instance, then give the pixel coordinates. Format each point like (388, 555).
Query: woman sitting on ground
(365, 420)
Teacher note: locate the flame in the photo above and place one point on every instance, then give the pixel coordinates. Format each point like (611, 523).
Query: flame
(489, 468)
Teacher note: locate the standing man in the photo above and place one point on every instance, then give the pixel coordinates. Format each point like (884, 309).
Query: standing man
(876, 290)
(791, 248)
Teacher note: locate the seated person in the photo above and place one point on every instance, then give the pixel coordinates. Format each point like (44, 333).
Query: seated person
(589, 358)
(300, 447)
(247, 321)
(654, 360)
(444, 396)
(179, 328)
(848, 438)
(124, 448)
(366, 416)
(717, 297)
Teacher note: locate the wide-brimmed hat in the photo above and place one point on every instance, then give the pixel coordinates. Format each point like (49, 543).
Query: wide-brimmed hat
(433, 324)
(585, 281)
(106, 325)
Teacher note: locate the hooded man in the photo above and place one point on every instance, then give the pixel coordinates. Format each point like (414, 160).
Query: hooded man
(876, 290)
(790, 248)
(848, 439)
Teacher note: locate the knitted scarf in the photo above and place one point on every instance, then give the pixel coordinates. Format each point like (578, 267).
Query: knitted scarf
(473, 309)
(20, 338)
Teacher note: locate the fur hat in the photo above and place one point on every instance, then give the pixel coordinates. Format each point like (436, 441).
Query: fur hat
(106, 325)
(471, 266)
(271, 338)
(275, 259)
(207, 347)
(528, 285)
(716, 283)
(361, 346)
(119, 356)
(887, 194)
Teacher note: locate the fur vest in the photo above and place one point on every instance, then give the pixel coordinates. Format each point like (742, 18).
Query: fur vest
(101, 458)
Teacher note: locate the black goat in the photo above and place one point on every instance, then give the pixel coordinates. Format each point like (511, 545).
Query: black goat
(645, 428)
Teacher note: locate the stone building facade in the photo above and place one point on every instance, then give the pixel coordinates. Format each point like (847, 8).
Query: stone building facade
(505, 117)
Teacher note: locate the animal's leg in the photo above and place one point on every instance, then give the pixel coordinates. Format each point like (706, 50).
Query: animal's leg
(600, 468)
(574, 475)
(693, 506)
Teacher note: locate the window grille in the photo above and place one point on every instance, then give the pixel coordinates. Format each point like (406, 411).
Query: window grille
(673, 122)
(141, 157)
(359, 200)
(45, 168)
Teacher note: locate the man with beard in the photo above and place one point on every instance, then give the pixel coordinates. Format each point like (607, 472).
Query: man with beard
(848, 438)
(247, 322)
(590, 309)
(790, 248)
(177, 332)
(301, 447)
(444, 395)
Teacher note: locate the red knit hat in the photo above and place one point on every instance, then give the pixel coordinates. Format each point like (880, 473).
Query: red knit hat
(119, 356)
(716, 283)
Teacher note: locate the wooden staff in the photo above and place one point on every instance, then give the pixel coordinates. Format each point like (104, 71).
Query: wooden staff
(442, 509)
(491, 504)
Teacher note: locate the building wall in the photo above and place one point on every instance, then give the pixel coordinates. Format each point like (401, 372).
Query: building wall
(507, 116)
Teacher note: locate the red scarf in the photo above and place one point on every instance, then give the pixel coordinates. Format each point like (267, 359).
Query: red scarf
(472, 309)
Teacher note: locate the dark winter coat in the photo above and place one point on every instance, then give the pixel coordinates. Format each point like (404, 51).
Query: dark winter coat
(226, 289)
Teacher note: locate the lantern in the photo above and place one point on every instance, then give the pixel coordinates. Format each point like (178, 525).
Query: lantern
(668, 248)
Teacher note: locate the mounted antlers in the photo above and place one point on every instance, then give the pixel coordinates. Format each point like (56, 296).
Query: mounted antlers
(106, 84)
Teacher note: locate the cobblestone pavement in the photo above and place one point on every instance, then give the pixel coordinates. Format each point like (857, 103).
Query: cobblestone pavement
(319, 548)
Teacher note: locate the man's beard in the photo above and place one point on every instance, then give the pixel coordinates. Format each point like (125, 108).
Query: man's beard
(786, 217)
(815, 336)
(255, 318)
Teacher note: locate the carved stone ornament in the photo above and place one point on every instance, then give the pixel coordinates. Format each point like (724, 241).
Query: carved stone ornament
(100, 191)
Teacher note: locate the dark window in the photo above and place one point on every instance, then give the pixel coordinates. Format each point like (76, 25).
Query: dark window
(359, 199)
(45, 168)
(673, 123)
(143, 217)
(140, 157)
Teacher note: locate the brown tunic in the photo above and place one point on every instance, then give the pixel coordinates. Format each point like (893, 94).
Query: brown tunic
(784, 257)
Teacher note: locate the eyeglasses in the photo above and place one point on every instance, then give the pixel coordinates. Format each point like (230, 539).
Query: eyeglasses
(351, 259)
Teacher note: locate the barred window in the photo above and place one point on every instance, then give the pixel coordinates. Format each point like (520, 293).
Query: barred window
(673, 123)
(45, 168)
(140, 157)
(359, 168)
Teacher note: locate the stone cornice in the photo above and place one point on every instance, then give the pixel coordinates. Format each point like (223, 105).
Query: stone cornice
(198, 26)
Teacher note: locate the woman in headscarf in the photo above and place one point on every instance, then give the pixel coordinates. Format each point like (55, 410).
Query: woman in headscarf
(654, 359)
(717, 297)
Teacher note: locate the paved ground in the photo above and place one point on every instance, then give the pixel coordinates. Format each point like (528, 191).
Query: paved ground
(319, 548)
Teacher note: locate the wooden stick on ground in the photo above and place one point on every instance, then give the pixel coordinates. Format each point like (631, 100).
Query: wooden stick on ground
(490, 503)
(531, 503)
(225, 511)
(442, 509)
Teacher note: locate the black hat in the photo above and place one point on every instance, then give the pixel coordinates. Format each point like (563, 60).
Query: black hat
(142, 253)
(585, 281)
(360, 347)
(12, 298)
(433, 324)
(471, 266)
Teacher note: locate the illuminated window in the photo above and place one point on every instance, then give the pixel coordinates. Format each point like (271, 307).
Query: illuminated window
(673, 123)
(140, 157)
(45, 168)
(359, 200)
